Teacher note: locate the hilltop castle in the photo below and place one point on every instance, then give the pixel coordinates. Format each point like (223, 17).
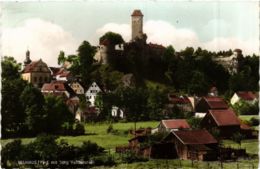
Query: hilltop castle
(138, 40)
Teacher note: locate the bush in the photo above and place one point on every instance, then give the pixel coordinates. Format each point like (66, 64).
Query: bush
(89, 149)
(79, 129)
(130, 157)
(67, 129)
(110, 128)
(107, 160)
(10, 153)
(45, 147)
(254, 121)
(194, 122)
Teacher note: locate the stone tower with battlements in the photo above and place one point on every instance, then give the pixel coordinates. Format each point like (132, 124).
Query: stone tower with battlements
(137, 24)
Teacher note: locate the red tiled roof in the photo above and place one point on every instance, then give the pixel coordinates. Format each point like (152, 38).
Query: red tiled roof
(216, 103)
(29, 68)
(224, 117)
(194, 136)
(54, 70)
(176, 124)
(179, 100)
(152, 45)
(246, 95)
(57, 86)
(137, 12)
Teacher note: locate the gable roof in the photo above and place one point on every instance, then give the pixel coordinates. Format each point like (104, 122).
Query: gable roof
(54, 70)
(224, 117)
(58, 86)
(178, 99)
(194, 136)
(175, 124)
(31, 67)
(216, 102)
(137, 12)
(246, 95)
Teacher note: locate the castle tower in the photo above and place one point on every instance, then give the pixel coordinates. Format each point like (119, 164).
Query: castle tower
(27, 59)
(137, 24)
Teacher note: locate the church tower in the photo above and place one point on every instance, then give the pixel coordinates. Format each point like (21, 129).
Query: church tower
(137, 24)
(27, 59)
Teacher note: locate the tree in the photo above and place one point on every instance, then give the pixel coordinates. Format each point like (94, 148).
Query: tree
(86, 54)
(155, 103)
(134, 102)
(113, 38)
(56, 113)
(10, 69)
(11, 109)
(61, 58)
(244, 108)
(33, 102)
(198, 84)
(194, 122)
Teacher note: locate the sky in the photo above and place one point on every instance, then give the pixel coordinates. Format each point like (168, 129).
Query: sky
(46, 28)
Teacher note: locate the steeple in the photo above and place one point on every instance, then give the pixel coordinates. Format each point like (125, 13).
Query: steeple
(27, 59)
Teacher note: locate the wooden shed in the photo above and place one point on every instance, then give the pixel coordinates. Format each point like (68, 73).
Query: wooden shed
(225, 121)
(194, 144)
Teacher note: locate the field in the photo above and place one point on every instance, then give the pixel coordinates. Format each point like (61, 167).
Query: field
(248, 117)
(96, 132)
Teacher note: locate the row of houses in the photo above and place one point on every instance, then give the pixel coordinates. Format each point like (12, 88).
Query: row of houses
(59, 81)
(183, 142)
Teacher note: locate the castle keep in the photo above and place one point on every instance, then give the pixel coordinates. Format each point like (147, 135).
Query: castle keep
(106, 50)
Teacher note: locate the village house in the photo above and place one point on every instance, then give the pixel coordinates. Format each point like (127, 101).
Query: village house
(36, 72)
(61, 74)
(225, 121)
(213, 91)
(116, 112)
(172, 124)
(246, 96)
(182, 102)
(58, 88)
(92, 92)
(194, 144)
(86, 114)
(73, 104)
(77, 87)
(209, 103)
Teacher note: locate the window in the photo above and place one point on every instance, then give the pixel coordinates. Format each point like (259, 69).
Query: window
(35, 79)
(40, 79)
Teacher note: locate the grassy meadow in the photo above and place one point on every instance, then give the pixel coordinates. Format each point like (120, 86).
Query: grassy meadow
(96, 132)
